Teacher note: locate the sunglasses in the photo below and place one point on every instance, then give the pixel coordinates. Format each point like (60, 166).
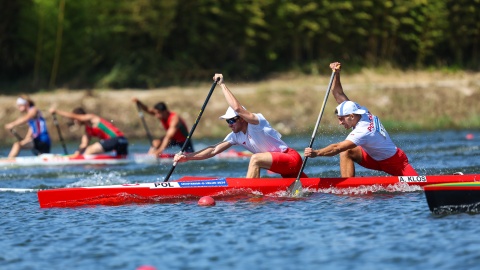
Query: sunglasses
(232, 121)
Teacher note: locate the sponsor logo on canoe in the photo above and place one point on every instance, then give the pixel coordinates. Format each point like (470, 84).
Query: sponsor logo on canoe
(205, 183)
(201, 183)
(167, 185)
(412, 179)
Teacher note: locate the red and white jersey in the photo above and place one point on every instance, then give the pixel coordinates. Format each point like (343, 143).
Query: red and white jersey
(370, 134)
(259, 138)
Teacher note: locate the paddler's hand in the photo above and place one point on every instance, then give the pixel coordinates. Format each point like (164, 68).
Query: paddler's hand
(336, 66)
(135, 100)
(218, 78)
(180, 157)
(154, 151)
(52, 110)
(9, 126)
(309, 152)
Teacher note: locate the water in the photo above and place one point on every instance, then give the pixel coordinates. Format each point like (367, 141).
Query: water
(383, 230)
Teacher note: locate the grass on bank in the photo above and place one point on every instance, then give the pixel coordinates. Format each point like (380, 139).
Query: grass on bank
(403, 100)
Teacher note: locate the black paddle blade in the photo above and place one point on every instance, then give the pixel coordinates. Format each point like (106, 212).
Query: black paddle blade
(295, 189)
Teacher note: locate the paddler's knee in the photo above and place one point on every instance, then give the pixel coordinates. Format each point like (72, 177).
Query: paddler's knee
(354, 154)
(255, 159)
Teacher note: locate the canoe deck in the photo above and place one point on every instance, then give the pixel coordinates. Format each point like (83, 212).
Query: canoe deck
(104, 159)
(63, 160)
(196, 187)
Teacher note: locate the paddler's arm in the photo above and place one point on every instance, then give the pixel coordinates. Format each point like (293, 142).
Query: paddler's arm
(234, 103)
(22, 120)
(331, 150)
(143, 106)
(74, 116)
(205, 153)
(337, 89)
(28, 137)
(83, 145)
(168, 135)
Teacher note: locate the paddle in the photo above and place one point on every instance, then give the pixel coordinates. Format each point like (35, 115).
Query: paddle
(14, 132)
(140, 114)
(296, 187)
(192, 130)
(19, 139)
(55, 122)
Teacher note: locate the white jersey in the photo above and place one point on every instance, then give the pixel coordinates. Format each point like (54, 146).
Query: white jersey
(372, 137)
(259, 138)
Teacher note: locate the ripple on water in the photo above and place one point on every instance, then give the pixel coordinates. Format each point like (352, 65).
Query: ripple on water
(364, 228)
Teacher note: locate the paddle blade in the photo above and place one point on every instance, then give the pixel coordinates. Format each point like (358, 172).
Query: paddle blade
(295, 189)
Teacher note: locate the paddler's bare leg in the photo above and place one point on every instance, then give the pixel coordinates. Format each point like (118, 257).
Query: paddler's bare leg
(347, 161)
(19, 145)
(95, 148)
(257, 161)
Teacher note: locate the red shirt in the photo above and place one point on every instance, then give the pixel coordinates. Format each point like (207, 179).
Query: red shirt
(104, 130)
(182, 130)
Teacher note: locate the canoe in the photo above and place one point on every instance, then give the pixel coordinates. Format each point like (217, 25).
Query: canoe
(453, 197)
(188, 188)
(102, 159)
(61, 160)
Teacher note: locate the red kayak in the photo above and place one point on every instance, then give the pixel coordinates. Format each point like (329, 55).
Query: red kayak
(196, 187)
(453, 197)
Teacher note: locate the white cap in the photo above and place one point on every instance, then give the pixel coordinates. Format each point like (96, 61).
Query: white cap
(348, 107)
(230, 113)
(21, 101)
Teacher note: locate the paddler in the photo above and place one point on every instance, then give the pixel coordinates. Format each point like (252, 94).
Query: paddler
(111, 138)
(176, 130)
(253, 132)
(37, 138)
(368, 144)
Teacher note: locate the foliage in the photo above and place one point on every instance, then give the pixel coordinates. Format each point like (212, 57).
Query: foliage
(151, 43)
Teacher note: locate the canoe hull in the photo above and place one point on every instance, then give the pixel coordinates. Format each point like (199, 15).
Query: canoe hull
(453, 197)
(196, 187)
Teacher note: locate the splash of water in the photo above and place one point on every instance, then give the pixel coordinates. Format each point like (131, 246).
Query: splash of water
(100, 179)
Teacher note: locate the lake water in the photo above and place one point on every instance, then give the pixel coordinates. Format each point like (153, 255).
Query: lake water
(381, 230)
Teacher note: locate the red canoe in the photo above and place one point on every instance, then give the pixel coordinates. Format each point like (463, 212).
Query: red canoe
(453, 197)
(196, 187)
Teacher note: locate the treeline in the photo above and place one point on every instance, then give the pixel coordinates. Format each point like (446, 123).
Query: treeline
(47, 44)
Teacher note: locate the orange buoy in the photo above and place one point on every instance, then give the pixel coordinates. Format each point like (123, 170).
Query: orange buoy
(146, 267)
(206, 201)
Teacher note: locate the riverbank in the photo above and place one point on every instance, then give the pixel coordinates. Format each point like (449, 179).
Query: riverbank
(403, 100)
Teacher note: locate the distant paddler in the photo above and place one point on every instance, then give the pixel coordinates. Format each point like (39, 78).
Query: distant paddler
(110, 137)
(368, 144)
(176, 130)
(253, 132)
(37, 138)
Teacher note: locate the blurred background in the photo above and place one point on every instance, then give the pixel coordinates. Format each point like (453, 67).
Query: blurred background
(45, 44)
(73, 52)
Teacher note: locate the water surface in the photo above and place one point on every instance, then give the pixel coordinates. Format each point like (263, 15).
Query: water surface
(381, 230)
